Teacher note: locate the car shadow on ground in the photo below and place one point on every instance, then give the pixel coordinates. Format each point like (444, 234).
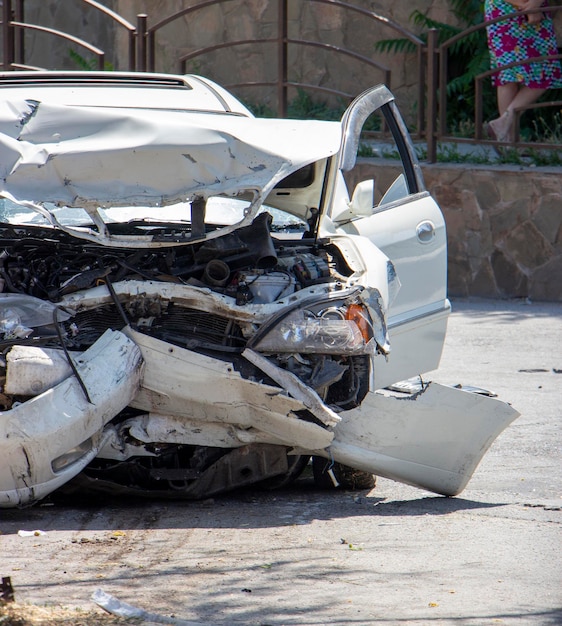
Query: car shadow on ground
(301, 503)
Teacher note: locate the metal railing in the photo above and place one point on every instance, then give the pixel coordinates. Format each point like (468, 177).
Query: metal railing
(431, 59)
(143, 38)
(282, 41)
(14, 27)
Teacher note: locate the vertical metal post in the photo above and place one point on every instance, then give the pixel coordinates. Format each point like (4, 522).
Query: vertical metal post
(478, 113)
(8, 48)
(422, 59)
(432, 91)
(141, 42)
(282, 61)
(151, 52)
(442, 89)
(19, 53)
(132, 57)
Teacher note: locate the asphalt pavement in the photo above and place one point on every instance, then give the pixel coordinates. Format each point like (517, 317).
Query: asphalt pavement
(396, 555)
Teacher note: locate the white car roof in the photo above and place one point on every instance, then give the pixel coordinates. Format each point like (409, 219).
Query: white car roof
(121, 89)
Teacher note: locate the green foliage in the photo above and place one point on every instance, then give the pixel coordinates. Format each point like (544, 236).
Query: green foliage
(88, 65)
(365, 150)
(260, 109)
(546, 158)
(552, 127)
(510, 156)
(451, 154)
(545, 124)
(390, 153)
(466, 58)
(396, 45)
(303, 107)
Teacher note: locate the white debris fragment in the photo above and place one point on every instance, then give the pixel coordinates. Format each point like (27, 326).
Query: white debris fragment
(116, 607)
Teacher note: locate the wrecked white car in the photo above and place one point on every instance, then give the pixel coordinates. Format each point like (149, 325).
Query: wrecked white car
(191, 301)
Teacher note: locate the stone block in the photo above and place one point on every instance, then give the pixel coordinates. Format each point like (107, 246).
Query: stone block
(508, 185)
(504, 217)
(484, 282)
(471, 210)
(546, 281)
(510, 280)
(485, 190)
(527, 246)
(458, 278)
(548, 217)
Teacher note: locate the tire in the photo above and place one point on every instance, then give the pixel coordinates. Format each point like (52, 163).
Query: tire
(347, 477)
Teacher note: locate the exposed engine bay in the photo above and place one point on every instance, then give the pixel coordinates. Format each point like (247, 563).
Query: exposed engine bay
(248, 267)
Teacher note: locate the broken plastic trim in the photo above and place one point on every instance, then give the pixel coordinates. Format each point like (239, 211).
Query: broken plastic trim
(72, 456)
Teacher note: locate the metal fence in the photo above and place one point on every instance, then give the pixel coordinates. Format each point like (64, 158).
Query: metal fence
(431, 59)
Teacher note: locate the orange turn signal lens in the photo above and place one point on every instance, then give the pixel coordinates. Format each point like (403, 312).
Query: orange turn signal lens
(357, 313)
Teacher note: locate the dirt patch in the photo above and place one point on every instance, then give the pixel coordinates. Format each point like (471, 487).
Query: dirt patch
(15, 614)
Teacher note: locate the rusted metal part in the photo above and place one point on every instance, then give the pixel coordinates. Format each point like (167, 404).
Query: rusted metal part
(6, 590)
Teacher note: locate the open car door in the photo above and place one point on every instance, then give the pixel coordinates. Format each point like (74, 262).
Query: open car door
(434, 437)
(402, 219)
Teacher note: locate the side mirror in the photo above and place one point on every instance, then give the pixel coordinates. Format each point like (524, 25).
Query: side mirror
(363, 199)
(361, 204)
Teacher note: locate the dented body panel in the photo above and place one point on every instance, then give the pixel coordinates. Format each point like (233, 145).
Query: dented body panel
(192, 300)
(39, 433)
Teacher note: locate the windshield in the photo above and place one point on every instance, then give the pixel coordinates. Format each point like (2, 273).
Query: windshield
(220, 212)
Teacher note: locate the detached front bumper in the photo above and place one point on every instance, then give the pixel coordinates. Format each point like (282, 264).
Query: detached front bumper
(433, 439)
(47, 440)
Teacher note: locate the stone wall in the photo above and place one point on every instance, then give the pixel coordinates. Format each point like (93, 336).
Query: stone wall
(504, 227)
(505, 230)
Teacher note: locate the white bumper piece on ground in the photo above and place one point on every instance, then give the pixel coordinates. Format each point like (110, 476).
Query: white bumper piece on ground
(433, 439)
(47, 440)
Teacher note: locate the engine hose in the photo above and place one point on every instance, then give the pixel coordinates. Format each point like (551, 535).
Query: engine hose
(67, 355)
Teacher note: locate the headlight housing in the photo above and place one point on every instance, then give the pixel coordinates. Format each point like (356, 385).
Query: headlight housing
(325, 328)
(20, 314)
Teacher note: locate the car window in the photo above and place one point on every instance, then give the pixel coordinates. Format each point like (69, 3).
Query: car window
(220, 211)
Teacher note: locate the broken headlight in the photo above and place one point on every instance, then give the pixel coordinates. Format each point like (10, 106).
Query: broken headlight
(20, 314)
(321, 330)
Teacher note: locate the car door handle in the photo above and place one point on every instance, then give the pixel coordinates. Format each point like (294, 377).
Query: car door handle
(425, 231)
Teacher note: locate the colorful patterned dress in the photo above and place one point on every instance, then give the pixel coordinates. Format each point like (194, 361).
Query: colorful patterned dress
(517, 40)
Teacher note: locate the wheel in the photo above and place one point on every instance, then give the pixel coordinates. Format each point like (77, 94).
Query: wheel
(325, 471)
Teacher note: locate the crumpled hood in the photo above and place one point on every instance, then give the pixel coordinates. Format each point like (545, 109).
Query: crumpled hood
(89, 157)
